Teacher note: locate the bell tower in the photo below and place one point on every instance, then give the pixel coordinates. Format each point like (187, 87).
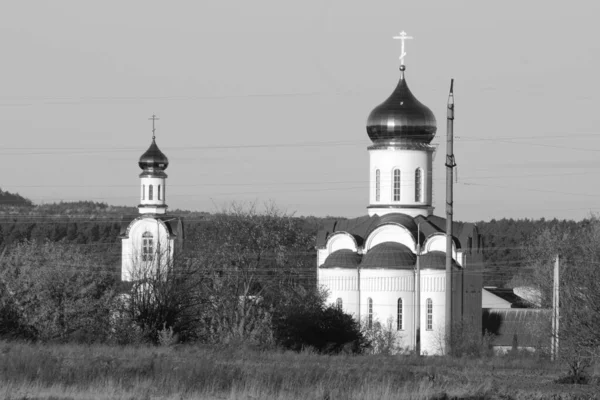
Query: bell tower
(153, 178)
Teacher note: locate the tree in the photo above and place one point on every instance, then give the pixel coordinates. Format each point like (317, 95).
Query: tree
(57, 291)
(249, 260)
(164, 295)
(579, 251)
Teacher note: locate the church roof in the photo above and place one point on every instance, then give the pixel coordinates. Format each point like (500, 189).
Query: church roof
(435, 260)
(389, 255)
(401, 118)
(361, 227)
(173, 224)
(465, 234)
(343, 258)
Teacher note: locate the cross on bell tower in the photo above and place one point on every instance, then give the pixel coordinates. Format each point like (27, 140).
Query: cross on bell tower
(402, 37)
(154, 118)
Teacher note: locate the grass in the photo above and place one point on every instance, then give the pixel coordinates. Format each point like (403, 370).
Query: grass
(34, 371)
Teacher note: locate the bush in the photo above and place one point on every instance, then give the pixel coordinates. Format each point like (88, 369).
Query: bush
(302, 321)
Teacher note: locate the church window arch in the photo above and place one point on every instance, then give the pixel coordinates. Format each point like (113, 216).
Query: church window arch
(370, 312)
(396, 184)
(418, 185)
(158, 192)
(150, 192)
(400, 315)
(339, 303)
(147, 246)
(377, 185)
(429, 315)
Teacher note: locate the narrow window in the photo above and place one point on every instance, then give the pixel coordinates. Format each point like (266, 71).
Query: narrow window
(158, 192)
(370, 312)
(377, 185)
(339, 303)
(147, 246)
(396, 185)
(150, 192)
(143, 192)
(400, 325)
(429, 315)
(418, 185)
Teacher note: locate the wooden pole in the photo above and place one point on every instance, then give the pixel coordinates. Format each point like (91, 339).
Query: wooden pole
(450, 164)
(555, 310)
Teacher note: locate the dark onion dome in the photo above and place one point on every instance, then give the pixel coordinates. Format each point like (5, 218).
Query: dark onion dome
(153, 158)
(389, 255)
(435, 260)
(343, 258)
(401, 118)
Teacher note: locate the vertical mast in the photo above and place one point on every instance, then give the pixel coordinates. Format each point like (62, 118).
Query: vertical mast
(450, 164)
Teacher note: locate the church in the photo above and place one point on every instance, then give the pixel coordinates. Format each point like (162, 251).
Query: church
(368, 264)
(150, 241)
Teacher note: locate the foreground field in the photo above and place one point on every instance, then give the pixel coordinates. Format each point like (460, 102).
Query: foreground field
(189, 372)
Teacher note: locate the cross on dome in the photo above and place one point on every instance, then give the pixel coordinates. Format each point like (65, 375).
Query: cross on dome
(153, 118)
(402, 38)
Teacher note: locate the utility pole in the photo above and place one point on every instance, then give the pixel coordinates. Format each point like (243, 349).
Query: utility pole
(418, 294)
(555, 310)
(450, 164)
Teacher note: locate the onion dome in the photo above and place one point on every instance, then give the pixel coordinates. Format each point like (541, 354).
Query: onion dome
(153, 158)
(343, 258)
(389, 255)
(401, 118)
(435, 260)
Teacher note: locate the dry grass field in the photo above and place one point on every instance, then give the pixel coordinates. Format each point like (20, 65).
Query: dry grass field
(31, 371)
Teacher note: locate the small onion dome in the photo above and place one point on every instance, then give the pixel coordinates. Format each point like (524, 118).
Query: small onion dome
(153, 158)
(389, 255)
(343, 258)
(435, 260)
(401, 118)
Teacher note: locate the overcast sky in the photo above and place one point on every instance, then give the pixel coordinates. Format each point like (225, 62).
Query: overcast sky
(263, 100)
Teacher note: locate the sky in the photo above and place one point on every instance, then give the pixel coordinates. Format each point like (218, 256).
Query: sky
(267, 100)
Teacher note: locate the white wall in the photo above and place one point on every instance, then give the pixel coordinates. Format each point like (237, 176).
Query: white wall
(131, 260)
(386, 160)
(145, 183)
(433, 286)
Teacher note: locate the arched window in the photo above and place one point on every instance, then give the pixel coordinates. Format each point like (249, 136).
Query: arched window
(377, 185)
(339, 303)
(143, 192)
(418, 185)
(147, 246)
(396, 185)
(400, 316)
(158, 192)
(150, 192)
(429, 315)
(370, 312)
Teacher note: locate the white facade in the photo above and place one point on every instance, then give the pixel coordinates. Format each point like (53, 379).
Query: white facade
(146, 247)
(400, 180)
(374, 294)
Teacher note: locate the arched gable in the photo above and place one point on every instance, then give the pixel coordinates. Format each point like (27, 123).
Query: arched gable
(391, 232)
(341, 240)
(145, 221)
(437, 242)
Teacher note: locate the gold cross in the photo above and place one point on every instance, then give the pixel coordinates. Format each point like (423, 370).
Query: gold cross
(402, 38)
(153, 118)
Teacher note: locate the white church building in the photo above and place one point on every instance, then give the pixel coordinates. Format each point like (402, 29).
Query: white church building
(368, 264)
(150, 239)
